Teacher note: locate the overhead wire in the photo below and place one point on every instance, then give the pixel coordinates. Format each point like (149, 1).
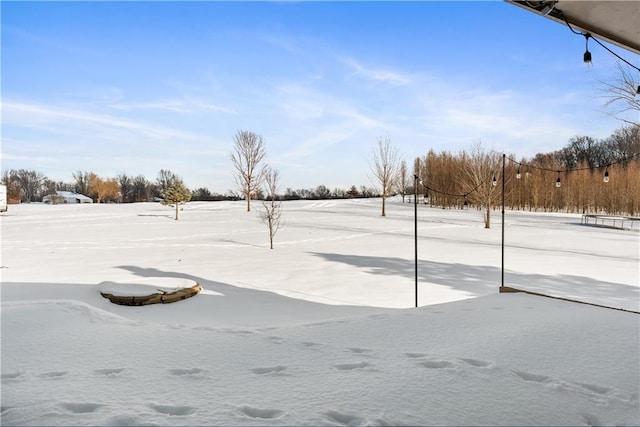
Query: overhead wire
(589, 35)
(567, 170)
(541, 168)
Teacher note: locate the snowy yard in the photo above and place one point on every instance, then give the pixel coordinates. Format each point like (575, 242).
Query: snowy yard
(321, 330)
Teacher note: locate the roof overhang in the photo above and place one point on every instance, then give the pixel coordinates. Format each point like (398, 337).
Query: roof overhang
(617, 22)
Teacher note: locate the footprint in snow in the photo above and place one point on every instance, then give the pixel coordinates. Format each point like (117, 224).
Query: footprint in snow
(274, 370)
(357, 350)
(476, 363)
(81, 408)
(353, 420)
(109, 372)
(436, 364)
(275, 339)
(244, 332)
(352, 366)
(527, 376)
(53, 374)
(598, 389)
(265, 414)
(189, 372)
(415, 355)
(596, 393)
(172, 410)
(13, 376)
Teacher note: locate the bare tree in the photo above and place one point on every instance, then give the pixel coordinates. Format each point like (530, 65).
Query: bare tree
(125, 183)
(385, 168)
(621, 95)
(272, 212)
(248, 153)
(403, 179)
(165, 180)
(82, 182)
(12, 181)
(481, 172)
(322, 192)
(624, 143)
(141, 189)
(31, 184)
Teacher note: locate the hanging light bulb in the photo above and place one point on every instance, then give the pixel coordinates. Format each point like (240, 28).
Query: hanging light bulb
(495, 181)
(587, 55)
(518, 176)
(606, 175)
(558, 183)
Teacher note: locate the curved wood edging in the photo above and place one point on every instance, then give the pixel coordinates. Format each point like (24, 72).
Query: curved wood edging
(161, 297)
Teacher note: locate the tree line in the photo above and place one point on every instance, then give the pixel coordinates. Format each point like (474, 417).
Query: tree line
(586, 176)
(468, 178)
(26, 186)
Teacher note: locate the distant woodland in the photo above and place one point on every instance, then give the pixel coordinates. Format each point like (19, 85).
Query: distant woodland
(571, 179)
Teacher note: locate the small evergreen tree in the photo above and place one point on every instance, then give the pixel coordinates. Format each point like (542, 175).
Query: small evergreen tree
(176, 194)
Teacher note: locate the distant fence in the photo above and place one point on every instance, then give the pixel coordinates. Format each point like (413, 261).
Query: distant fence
(609, 221)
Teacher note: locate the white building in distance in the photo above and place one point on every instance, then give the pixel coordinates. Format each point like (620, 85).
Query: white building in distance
(66, 197)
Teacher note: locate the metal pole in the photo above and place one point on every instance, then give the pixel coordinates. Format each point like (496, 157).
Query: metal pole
(503, 184)
(415, 234)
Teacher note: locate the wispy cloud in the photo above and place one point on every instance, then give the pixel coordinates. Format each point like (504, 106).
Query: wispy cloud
(320, 120)
(179, 106)
(376, 74)
(56, 119)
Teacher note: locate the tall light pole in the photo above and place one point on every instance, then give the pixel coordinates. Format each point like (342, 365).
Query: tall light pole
(416, 180)
(503, 184)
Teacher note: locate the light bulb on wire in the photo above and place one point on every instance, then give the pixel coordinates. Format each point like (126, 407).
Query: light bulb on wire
(587, 55)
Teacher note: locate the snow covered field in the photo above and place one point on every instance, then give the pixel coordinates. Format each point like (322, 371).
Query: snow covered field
(321, 330)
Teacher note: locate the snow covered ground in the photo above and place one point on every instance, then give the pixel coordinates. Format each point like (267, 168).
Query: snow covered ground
(321, 330)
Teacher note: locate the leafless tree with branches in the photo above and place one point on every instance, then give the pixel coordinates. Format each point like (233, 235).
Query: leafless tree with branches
(403, 179)
(272, 211)
(247, 156)
(622, 98)
(481, 171)
(385, 168)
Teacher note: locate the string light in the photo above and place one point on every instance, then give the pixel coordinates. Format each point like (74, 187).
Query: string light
(587, 36)
(494, 181)
(623, 160)
(587, 55)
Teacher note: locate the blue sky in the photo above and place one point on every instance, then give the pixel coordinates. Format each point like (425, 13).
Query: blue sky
(136, 87)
